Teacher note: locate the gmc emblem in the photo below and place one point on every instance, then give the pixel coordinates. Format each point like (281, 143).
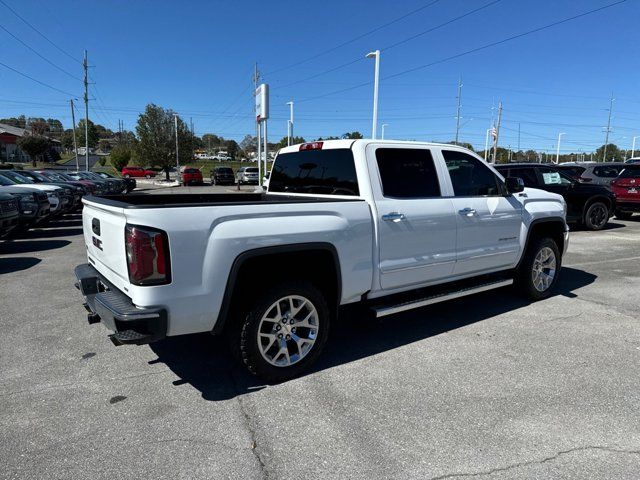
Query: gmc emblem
(97, 243)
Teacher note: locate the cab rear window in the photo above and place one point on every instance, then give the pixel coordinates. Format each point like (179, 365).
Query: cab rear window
(326, 172)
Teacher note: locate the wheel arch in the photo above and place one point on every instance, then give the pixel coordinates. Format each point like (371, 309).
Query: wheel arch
(320, 259)
(553, 227)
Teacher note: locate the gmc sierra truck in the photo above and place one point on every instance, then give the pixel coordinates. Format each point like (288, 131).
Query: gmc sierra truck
(388, 225)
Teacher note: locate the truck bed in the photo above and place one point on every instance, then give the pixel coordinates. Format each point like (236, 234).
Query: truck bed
(136, 201)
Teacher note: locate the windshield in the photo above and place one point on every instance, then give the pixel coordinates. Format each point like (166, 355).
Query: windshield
(225, 170)
(5, 182)
(192, 170)
(18, 178)
(252, 170)
(330, 172)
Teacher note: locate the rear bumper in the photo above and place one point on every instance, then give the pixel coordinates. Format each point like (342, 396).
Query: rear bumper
(106, 304)
(628, 206)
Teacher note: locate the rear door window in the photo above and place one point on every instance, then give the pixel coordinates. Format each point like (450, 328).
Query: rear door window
(528, 176)
(607, 171)
(470, 177)
(407, 173)
(329, 172)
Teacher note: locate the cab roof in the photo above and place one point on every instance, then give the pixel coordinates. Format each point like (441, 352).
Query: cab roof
(350, 143)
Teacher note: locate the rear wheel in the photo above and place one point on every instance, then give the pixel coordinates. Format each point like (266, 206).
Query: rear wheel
(596, 216)
(538, 273)
(623, 215)
(284, 332)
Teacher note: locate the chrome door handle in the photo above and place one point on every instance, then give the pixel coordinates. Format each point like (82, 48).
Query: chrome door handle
(393, 217)
(469, 212)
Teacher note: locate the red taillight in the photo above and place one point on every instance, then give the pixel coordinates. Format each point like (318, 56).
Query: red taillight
(147, 255)
(311, 146)
(585, 179)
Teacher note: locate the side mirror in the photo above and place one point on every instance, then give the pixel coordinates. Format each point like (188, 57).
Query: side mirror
(514, 184)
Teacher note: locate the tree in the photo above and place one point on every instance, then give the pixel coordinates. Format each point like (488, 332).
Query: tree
(34, 146)
(284, 142)
(19, 122)
(249, 143)
(67, 139)
(93, 134)
(211, 141)
(156, 139)
(353, 135)
(39, 126)
(121, 156)
(232, 148)
(466, 145)
(613, 153)
(104, 145)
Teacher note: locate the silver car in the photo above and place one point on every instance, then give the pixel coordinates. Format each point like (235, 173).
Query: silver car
(593, 172)
(247, 175)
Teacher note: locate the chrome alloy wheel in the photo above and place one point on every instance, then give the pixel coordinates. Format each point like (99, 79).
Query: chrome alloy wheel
(288, 331)
(544, 269)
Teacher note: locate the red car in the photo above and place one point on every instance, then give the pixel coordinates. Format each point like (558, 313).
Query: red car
(128, 172)
(191, 176)
(627, 191)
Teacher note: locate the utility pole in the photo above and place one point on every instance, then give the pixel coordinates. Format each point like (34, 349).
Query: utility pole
(633, 146)
(75, 143)
(376, 81)
(518, 136)
(193, 146)
(256, 77)
(495, 143)
(606, 140)
(175, 121)
(85, 64)
(458, 109)
(486, 143)
(290, 124)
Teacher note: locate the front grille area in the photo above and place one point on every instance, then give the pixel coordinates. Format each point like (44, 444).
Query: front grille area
(9, 206)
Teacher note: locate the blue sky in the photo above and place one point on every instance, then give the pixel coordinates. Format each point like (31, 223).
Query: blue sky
(197, 57)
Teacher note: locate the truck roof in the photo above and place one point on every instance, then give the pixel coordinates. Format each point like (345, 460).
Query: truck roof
(349, 143)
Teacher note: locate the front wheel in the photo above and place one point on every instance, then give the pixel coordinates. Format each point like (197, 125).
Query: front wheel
(596, 216)
(284, 332)
(539, 271)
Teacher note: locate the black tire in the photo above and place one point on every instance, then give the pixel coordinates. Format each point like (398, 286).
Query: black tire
(596, 216)
(623, 215)
(248, 342)
(525, 275)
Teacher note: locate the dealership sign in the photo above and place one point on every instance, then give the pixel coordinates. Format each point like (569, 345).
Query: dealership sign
(262, 102)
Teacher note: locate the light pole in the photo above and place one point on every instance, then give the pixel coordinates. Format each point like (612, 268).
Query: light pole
(290, 123)
(486, 143)
(558, 150)
(175, 121)
(383, 125)
(633, 146)
(376, 77)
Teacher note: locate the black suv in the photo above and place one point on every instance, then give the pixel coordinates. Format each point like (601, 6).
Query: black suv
(587, 204)
(222, 175)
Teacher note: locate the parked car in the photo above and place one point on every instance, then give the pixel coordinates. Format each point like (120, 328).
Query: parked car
(33, 206)
(396, 226)
(191, 176)
(588, 204)
(73, 192)
(265, 180)
(128, 172)
(626, 188)
(109, 186)
(92, 188)
(633, 160)
(222, 176)
(247, 175)
(130, 183)
(56, 177)
(61, 200)
(593, 172)
(9, 214)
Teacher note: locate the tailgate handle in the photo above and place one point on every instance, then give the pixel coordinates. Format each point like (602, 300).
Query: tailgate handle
(95, 226)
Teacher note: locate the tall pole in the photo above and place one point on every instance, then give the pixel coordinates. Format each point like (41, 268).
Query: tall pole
(458, 109)
(558, 149)
(383, 125)
(256, 77)
(265, 151)
(376, 81)
(606, 139)
(290, 124)
(175, 122)
(633, 146)
(518, 136)
(85, 64)
(495, 143)
(486, 143)
(75, 143)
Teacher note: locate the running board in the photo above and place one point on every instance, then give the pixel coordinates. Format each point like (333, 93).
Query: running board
(383, 311)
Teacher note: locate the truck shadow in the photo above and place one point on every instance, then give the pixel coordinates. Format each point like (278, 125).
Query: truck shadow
(203, 361)
(16, 264)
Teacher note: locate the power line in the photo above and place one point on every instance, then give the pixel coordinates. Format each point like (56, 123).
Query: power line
(333, 49)
(40, 33)
(41, 56)
(36, 80)
(468, 52)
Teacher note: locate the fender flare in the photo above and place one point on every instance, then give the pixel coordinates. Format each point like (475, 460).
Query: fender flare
(530, 229)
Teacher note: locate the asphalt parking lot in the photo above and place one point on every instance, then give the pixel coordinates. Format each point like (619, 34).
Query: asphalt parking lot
(489, 386)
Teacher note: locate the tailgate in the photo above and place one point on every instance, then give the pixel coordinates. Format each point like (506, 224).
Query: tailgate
(103, 228)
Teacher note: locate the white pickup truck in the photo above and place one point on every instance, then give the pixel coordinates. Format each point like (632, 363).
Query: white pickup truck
(386, 224)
